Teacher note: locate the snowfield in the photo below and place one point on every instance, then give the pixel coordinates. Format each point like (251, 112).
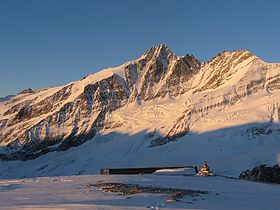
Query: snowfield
(76, 192)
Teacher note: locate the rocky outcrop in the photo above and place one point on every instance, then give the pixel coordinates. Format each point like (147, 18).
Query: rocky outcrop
(73, 123)
(25, 91)
(262, 173)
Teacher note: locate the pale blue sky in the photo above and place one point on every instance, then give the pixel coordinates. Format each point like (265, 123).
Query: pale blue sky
(51, 42)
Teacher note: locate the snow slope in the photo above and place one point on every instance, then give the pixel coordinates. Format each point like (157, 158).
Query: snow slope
(228, 152)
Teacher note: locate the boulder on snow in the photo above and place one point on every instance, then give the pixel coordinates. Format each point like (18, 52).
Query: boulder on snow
(262, 173)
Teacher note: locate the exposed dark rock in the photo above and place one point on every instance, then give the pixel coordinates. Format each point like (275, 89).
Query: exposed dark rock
(3, 123)
(130, 189)
(25, 91)
(262, 173)
(6, 98)
(18, 107)
(273, 83)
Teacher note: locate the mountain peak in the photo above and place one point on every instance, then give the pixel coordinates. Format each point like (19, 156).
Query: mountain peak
(161, 47)
(232, 55)
(161, 50)
(236, 52)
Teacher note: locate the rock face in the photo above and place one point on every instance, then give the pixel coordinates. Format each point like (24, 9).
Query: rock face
(262, 173)
(34, 123)
(25, 91)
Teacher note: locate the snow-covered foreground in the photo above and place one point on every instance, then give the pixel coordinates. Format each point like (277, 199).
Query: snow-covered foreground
(74, 192)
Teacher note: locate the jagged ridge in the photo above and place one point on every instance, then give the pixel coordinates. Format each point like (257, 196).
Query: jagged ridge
(34, 123)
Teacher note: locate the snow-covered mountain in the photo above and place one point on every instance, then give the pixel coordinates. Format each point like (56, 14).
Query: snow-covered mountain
(165, 97)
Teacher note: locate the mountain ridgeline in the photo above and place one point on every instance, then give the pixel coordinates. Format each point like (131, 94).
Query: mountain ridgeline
(166, 95)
